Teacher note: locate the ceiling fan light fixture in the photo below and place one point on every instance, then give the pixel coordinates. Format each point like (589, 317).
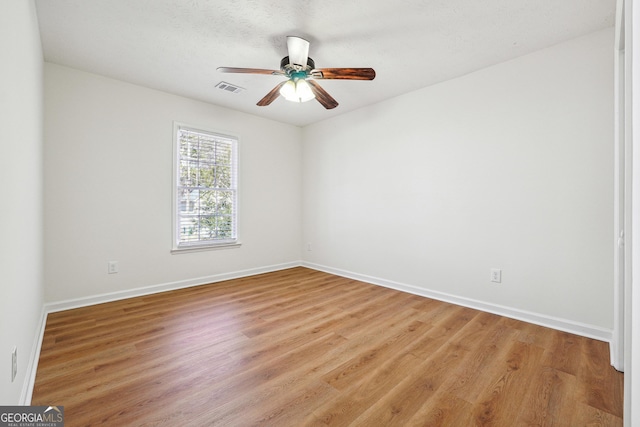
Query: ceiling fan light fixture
(303, 90)
(301, 73)
(288, 91)
(297, 90)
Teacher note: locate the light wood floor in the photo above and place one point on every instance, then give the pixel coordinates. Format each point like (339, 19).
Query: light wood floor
(304, 348)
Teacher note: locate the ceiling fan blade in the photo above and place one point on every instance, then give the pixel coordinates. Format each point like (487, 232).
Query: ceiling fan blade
(271, 96)
(298, 50)
(344, 73)
(322, 96)
(250, 71)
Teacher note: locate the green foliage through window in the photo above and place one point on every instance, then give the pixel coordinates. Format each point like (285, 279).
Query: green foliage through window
(206, 188)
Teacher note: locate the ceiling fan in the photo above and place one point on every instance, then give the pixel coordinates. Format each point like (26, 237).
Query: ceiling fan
(301, 74)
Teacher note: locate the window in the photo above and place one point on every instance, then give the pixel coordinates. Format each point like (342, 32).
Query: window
(205, 188)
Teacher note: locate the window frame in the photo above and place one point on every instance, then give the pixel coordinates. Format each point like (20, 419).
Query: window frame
(177, 246)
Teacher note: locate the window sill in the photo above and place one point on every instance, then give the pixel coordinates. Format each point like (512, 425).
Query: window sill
(189, 249)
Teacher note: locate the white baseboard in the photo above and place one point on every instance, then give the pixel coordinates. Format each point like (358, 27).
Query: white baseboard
(32, 368)
(53, 307)
(565, 325)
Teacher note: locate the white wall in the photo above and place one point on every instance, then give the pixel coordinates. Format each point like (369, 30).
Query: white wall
(20, 192)
(510, 167)
(107, 168)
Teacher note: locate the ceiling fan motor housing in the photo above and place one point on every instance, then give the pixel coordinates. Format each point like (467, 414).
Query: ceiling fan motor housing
(289, 68)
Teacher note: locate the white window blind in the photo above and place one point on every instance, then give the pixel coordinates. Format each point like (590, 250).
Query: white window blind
(206, 188)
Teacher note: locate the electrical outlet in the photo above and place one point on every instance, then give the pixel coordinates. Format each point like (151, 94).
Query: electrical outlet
(309, 247)
(112, 267)
(496, 275)
(14, 363)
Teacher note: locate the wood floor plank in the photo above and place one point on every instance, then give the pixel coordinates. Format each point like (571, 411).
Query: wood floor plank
(545, 398)
(566, 354)
(301, 347)
(472, 378)
(585, 415)
(405, 399)
(598, 387)
(501, 401)
(443, 410)
(363, 364)
(356, 398)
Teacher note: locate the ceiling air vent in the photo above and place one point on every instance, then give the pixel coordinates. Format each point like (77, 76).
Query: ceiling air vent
(229, 87)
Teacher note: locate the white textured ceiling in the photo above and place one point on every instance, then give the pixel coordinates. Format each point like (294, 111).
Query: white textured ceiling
(176, 45)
